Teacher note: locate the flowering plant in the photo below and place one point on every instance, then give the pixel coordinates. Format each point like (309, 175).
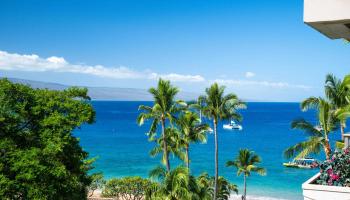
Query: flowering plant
(336, 171)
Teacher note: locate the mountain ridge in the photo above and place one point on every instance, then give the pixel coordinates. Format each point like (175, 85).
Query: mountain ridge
(104, 93)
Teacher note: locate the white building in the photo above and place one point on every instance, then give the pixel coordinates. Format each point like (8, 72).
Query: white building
(332, 19)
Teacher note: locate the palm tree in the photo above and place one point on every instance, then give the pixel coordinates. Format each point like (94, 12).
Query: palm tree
(192, 131)
(177, 184)
(174, 143)
(198, 105)
(217, 106)
(225, 187)
(246, 163)
(318, 135)
(337, 93)
(164, 109)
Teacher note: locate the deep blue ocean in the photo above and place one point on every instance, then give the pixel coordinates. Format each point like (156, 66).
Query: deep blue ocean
(122, 147)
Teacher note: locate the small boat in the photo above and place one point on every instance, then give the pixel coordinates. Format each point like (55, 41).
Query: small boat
(318, 127)
(232, 126)
(303, 163)
(210, 130)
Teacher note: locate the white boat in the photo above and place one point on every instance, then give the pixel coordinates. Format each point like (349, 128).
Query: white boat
(318, 127)
(232, 126)
(303, 163)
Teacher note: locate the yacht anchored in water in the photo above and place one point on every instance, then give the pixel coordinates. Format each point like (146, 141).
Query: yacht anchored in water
(232, 126)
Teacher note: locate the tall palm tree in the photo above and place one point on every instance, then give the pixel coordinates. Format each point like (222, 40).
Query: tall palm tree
(246, 163)
(217, 106)
(163, 110)
(318, 135)
(192, 131)
(337, 93)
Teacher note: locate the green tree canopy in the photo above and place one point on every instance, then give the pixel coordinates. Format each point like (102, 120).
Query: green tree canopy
(39, 156)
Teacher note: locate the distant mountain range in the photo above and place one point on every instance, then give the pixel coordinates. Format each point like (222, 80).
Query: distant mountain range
(106, 93)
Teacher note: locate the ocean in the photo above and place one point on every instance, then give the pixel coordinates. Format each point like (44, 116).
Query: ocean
(122, 148)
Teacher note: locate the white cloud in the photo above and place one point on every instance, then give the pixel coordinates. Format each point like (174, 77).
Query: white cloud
(231, 82)
(249, 74)
(34, 63)
(179, 77)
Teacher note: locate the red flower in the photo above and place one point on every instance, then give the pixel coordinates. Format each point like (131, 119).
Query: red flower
(330, 171)
(334, 177)
(346, 151)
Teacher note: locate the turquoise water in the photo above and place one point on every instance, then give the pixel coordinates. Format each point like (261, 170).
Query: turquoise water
(122, 146)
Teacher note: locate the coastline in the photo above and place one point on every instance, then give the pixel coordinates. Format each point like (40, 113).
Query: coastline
(254, 197)
(97, 196)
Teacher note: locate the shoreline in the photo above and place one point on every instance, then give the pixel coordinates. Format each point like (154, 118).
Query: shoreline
(97, 196)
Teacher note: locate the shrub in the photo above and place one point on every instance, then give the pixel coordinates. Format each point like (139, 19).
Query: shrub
(97, 183)
(336, 171)
(128, 188)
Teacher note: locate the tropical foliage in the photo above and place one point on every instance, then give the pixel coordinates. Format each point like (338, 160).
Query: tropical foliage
(246, 163)
(336, 170)
(225, 188)
(332, 112)
(318, 135)
(191, 131)
(97, 182)
(176, 184)
(39, 157)
(174, 144)
(181, 126)
(179, 184)
(127, 188)
(162, 112)
(218, 106)
(337, 91)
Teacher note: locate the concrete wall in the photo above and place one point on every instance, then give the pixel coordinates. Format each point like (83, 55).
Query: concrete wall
(313, 191)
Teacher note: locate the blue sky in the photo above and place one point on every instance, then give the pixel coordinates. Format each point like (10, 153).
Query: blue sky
(261, 50)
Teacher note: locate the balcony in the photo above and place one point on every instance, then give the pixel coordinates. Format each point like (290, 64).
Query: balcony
(330, 17)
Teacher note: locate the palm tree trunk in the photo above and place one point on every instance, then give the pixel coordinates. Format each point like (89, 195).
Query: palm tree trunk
(187, 156)
(165, 146)
(245, 188)
(216, 160)
(327, 150)
(342, 131)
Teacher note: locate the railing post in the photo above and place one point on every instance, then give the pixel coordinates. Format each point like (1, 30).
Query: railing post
(346, 140)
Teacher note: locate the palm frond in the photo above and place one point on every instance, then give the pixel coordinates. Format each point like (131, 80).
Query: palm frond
(145, 108)
(142, 117)
(310, 103)
(259, 170)
(343, 113)
(303, 149)
(246, 162)
(231, 164)
(346, 81)
(305, 126)
(158, 173)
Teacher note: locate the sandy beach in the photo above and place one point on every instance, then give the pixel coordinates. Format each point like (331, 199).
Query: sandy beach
(97, 196)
